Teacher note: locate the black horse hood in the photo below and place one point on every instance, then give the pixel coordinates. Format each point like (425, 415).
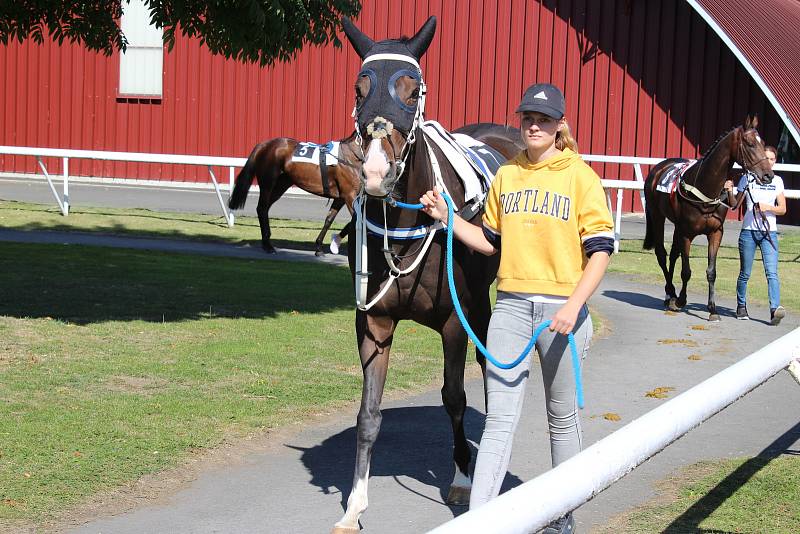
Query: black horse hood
(383, 63)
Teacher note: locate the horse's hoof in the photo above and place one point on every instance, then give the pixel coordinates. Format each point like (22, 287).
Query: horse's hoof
(458, 495)
(681, 303)
(319, 253)
(344, 530)
(672, 305)
(714, 317)
(269, 249)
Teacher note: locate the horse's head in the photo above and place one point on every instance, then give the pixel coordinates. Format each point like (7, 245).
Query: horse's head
(390, 99)
(749, 152)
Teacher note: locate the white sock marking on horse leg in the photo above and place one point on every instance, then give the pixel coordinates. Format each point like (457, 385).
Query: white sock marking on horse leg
(357, 503)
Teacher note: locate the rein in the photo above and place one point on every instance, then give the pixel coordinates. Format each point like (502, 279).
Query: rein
(763, 230)
(576, 368)
(362, 277)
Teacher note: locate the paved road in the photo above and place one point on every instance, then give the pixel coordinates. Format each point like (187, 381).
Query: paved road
(301, 483)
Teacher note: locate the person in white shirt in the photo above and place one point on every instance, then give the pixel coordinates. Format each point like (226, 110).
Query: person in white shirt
(760, 229)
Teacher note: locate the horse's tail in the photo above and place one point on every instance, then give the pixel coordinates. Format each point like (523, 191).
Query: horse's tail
(243, 181)
(649, 238)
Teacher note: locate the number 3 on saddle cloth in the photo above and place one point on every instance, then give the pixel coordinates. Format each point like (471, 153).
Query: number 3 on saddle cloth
(668, 183)
(324, 156)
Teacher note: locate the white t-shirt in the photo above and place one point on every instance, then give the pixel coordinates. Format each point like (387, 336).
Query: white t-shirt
(766, 193)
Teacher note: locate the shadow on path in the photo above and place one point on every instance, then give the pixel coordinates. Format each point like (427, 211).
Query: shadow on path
(414, 442)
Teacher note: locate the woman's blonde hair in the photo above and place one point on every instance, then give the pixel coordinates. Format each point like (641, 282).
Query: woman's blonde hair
(564, 138)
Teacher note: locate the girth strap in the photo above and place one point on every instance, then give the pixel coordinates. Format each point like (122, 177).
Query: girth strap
(323, 168)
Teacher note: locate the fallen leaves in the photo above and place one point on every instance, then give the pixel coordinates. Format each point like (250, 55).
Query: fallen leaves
(659, 392)
(684, 342)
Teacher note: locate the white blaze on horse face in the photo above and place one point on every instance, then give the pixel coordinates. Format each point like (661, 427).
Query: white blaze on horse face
(376, 167)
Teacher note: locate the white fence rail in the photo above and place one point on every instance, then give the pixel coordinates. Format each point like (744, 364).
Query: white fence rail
(231, 163)
(534, 504)
(66, 154)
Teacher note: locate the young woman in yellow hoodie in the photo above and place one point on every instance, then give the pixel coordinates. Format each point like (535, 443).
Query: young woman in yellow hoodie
(546, 214)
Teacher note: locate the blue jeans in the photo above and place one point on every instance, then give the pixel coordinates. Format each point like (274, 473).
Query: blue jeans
(748, 241)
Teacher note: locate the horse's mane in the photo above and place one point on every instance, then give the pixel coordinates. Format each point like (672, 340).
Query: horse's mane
(716, 142)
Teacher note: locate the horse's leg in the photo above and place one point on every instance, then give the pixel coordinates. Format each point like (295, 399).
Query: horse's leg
(714, 240)
(266, 198)
(375, 341)
(336, 205)
(657, 225)
(479, 314)
(674, 253)
(454, 343)
(686, 269)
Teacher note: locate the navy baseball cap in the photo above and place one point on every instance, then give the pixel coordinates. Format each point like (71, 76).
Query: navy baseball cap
(544, 98)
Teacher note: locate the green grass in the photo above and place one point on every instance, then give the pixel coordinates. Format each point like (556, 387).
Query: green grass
(117, 363)
(141, 222)
(642, 264)
(743, 495)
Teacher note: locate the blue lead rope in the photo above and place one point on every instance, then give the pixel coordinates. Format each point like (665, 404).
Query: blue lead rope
(576, 364)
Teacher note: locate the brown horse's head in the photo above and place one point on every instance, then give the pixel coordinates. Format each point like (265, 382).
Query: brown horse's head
(748, 151)
(390, 94)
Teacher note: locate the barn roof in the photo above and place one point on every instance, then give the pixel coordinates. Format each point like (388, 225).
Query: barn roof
(763, 36)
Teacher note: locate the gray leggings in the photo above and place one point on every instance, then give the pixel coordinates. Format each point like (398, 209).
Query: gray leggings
(513, 322)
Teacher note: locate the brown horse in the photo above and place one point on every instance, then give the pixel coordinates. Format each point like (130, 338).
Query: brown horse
(398, 167)
(696, 205)
(270, 163)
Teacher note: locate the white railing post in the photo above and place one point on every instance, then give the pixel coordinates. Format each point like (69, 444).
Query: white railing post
(534, 504)
(225, 212)
(50, 183)
(618, 221)
(637, 168)
(65, 206)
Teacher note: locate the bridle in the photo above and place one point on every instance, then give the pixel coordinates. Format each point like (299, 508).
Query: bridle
(380, 127)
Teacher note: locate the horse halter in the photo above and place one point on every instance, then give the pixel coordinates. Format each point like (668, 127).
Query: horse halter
(742, 157)
(382, 110)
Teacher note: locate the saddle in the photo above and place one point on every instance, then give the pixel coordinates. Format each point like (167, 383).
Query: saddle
(668, 182)
(323, 156)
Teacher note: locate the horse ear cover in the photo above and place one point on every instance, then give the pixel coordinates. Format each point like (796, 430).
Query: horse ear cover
(419, 44)
(361, 43)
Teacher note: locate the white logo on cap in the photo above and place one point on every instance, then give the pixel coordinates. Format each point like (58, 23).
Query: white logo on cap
(541, 95)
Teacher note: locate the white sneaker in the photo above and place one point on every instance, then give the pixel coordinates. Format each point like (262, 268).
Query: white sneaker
(335, 241)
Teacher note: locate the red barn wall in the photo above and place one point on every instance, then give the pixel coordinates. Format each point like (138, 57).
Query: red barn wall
(640, 78)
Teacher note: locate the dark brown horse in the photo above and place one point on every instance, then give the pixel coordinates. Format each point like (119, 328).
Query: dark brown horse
(398, 167)
(270, 163)
(271, 166)
(696, 205)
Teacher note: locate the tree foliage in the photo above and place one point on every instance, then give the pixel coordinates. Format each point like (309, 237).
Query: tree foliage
(260, 31)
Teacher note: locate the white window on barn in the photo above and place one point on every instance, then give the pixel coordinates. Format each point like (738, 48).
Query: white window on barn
(141, 66)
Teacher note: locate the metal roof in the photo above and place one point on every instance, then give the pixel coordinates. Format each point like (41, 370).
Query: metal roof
(764, 37)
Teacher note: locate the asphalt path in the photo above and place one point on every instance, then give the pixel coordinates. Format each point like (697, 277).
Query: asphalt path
(301, 483)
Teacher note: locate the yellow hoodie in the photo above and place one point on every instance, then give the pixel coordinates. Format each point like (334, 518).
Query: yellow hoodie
(544, 212)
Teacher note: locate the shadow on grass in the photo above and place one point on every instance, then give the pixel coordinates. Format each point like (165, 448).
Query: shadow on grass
(83, 285)
(414, 442)
(690, 520)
